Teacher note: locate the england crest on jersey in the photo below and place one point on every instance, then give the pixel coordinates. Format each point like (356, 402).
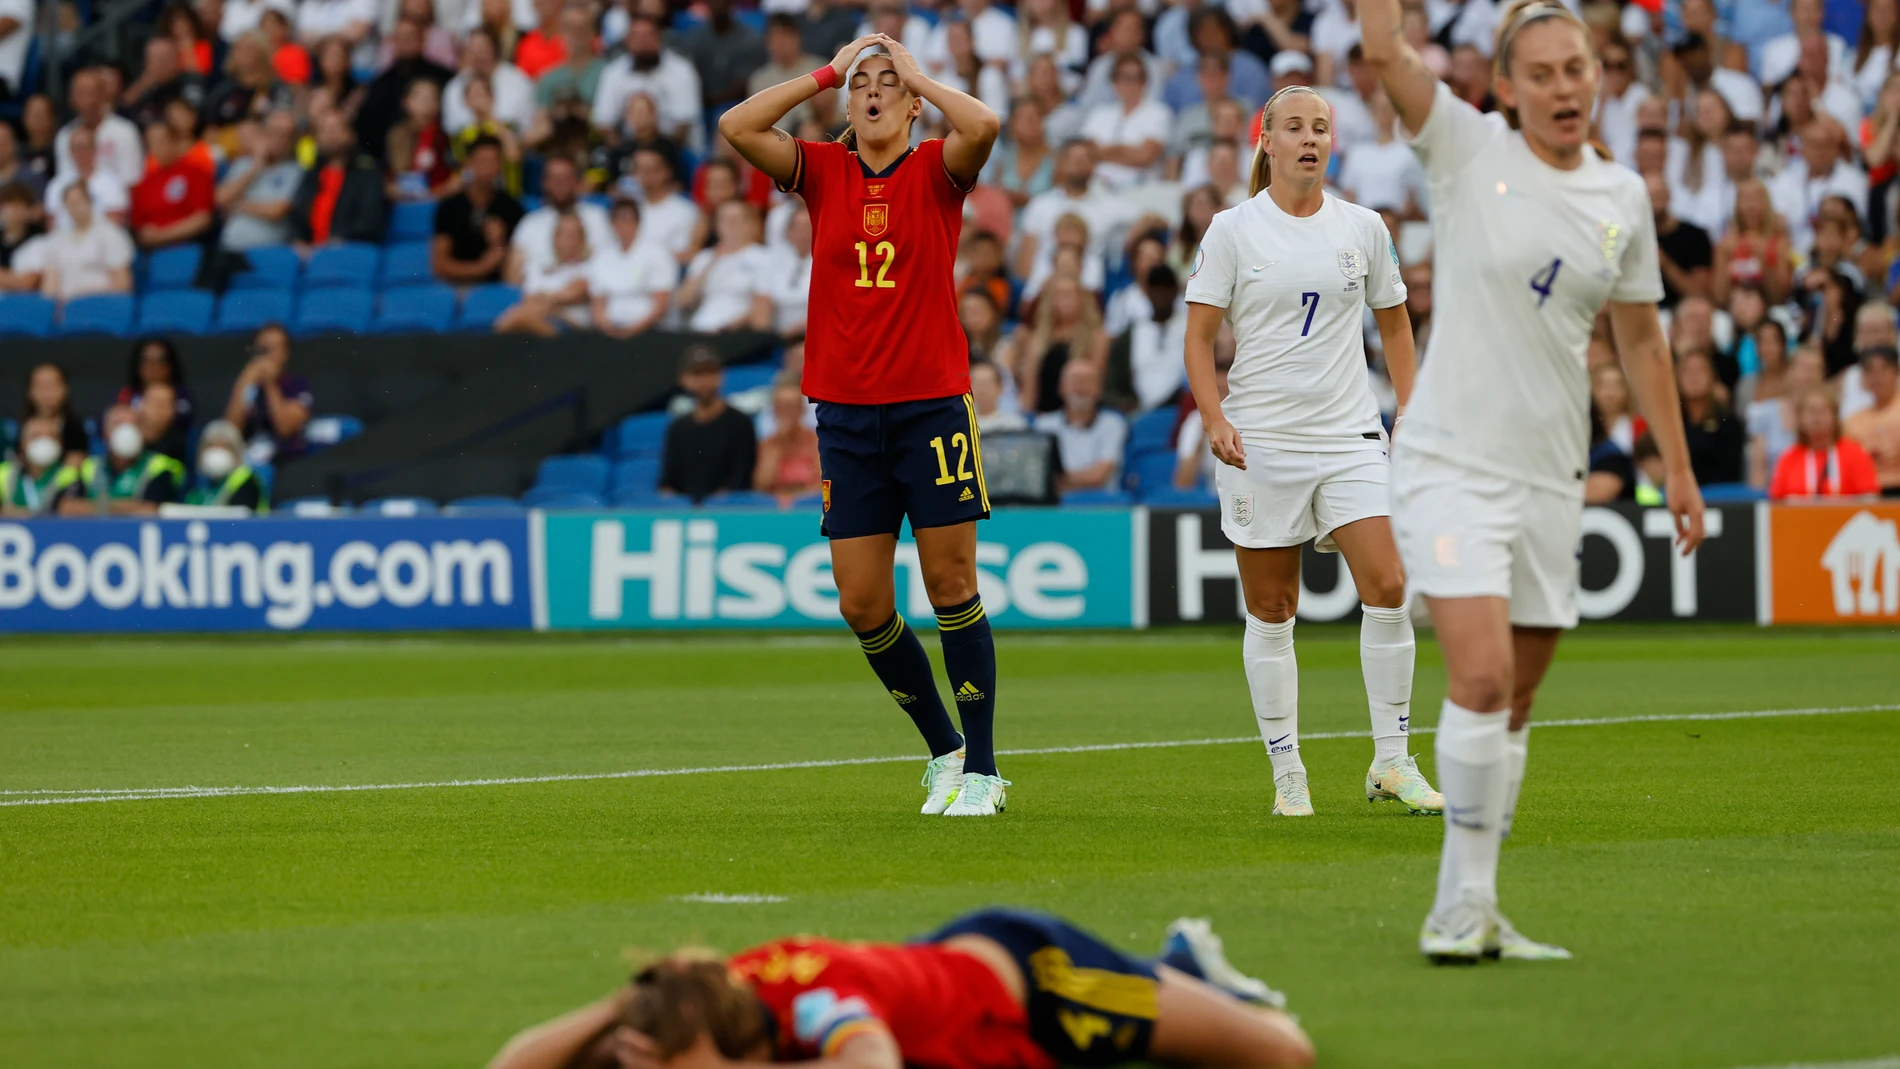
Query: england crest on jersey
(1242, 505)
(1351, 264)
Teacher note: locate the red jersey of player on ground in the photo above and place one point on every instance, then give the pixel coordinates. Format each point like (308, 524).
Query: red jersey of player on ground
(882, 324)
(945, 1008)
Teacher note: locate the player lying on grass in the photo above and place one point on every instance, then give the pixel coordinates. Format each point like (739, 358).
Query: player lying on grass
(996, 989)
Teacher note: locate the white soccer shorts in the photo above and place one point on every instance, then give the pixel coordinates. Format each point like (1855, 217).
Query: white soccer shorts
(1286, 497)
(1469, 534)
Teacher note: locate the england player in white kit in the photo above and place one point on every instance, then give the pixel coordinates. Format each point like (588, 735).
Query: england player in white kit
(1534, 234)
(1302, 447)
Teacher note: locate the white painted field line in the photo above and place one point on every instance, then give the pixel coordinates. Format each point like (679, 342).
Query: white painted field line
(1891, 1061)
(54, 796)
(721, 899)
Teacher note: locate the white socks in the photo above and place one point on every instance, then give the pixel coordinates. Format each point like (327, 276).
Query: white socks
(1274, 679)
(1386, 653)
(1471, 774)
(1517, 746)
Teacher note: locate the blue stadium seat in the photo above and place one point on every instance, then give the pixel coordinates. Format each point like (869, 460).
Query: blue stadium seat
(1150, 472)
(350, 265)
(639, 436)
(483, 304)
(749, 377)
(416, 309)
(636, 471)
(273, 267)
(740, 499)
(584, 472)
(1168, 497)
(26, 315)
(329, 430)
(551, 498)
(246, 310)
(412, 221)
(635, 497)
(310, 508)
(483, 505)
(1731, 494)
(107, 313)
(1097, 497)
(175, 268)
(398, 507)
(407, 265)
(334, 312)
(1151, 431)
(176, 312)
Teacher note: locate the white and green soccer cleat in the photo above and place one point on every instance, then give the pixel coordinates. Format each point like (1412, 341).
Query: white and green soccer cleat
(1193, 948)
(1510, 944)
(1291, 796)
(981, 796)
(1459, 933)
(943, 778)
(1402, 781)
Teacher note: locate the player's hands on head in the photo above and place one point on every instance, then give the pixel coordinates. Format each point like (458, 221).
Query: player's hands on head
(849, 54)
(908, 71)
(1684, 498)
(1224, 440)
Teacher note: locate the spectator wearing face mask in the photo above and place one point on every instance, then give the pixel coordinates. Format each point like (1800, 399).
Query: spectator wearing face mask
(132, 479)
(1089, 438)
(155, 391)
(223, 478)
(269, 402)
(38, 480)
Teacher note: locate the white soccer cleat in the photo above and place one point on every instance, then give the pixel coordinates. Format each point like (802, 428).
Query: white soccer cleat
(1193, 948)
(981, 796)
(1510, 944)
(1459, 933)
(943, 778)
(1401, 781)
(1291, 796)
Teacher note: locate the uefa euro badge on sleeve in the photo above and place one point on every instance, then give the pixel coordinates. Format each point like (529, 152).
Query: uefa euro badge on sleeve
(1607, 233)
(1243, 509)
(877, 219)
(1352, 264)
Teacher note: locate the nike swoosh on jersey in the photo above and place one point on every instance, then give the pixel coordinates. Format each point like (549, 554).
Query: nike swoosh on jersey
(1266, 265)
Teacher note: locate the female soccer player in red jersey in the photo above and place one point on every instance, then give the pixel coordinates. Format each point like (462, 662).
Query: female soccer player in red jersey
(998, 989)
(887, 362)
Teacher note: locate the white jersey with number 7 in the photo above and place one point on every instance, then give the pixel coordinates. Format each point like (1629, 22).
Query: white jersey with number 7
(1525, 256)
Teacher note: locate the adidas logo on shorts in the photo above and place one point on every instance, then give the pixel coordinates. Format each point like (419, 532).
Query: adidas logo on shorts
(967, 496)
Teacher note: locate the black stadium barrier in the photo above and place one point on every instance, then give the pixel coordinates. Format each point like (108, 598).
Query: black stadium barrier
(1630, 569)
(447, 415)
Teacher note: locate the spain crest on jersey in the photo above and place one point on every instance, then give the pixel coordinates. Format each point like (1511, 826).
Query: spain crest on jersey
(877, 219)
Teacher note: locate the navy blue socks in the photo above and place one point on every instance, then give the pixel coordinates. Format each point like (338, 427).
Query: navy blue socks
(969, 658)
(901, 665)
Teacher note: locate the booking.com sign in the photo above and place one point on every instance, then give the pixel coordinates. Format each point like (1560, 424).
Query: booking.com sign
(1035, 568)
(272, 574)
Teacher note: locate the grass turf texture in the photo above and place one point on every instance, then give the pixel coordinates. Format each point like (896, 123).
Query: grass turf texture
(1727, 886)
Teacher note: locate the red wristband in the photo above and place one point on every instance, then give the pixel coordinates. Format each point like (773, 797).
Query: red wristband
(826, 77)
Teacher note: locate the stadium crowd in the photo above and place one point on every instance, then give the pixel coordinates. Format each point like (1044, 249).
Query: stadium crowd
(565, 148)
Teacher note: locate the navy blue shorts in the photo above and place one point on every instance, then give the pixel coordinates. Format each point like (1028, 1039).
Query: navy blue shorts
(881, 463)
(1089, 1003)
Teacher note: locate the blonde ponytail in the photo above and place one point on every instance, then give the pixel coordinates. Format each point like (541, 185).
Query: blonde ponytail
(1260, 175)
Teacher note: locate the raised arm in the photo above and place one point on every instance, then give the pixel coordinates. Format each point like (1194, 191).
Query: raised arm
(1407, 82)
(1651, 371)
(973, 126)
(751, 124)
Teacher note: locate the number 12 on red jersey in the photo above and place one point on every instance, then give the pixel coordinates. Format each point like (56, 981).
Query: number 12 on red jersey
(887, 254)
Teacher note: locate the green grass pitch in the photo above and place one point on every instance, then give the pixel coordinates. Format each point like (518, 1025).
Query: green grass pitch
(1727, 885)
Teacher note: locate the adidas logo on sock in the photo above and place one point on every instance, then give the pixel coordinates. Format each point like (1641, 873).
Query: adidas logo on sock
(967, 496)
(902, 698)
(968, 693)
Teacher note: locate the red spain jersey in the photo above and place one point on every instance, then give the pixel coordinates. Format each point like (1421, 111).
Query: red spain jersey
(882, 323)
(946, 1009)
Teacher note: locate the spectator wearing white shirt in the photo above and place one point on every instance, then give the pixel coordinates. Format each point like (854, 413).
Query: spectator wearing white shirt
(630, 279)
(1618, 100)
(668, 217)
(786, 281)
(1193, 461)
(107, 193)
(1227, 121)
(1130, 134)
(994, 412)
(87, 255)
(1822, 170)
(1089, 439)
(1780, 55)
(666, 76)
(120, 146)
(1352, 116)
(533, 241)
(1067, 252)
(239, 17)
(513, 90)
(352, 20)
(1157, 342)
(16, 38)
(1695, 164)
(1061, 117)
(1126, 35)
(721, 291)
(1043, 28)
(1832, 94)
(992, 33)
(1384, 174)
(554, 290)
(1874, 51)
(1075, 193)
(1742, 93)
(966, 72)
(1335, 30)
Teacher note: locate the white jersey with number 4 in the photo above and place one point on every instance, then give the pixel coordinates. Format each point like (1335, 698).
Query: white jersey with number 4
(1525, 256)
(1296, 289)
